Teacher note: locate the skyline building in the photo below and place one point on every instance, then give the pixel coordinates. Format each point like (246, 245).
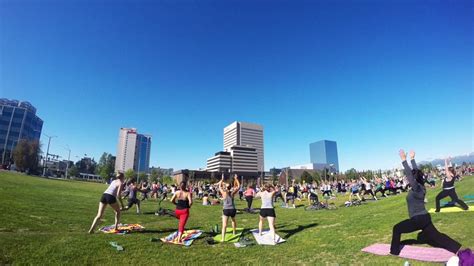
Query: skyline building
(237, 159)
(133, 151)
(246, 135)
(18, 120)
(324, 152)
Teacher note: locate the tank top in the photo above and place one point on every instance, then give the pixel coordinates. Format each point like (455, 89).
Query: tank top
(267, 200)
(447, 185)
(229, 203)
(182, 204)
(113, 188)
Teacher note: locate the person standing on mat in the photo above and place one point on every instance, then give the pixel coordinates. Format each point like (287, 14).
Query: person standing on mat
(110, 196)
(419, 217)
(267, 210)
(448, 188)
(183, 201)
(229, 210)
(249, 194)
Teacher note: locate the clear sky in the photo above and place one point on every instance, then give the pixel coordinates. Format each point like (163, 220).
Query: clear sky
(374, 76)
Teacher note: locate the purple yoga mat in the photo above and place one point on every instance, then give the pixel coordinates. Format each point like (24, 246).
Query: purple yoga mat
(412, 252)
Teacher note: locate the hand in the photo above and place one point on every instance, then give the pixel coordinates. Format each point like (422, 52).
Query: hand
(412, 154)
(403, 155)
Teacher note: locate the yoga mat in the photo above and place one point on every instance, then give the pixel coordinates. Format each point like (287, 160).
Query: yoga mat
(266, 238)
(229, 236)
(469, 197)
(412, 252)
(188, 237)
(122, 229)
(452, 209)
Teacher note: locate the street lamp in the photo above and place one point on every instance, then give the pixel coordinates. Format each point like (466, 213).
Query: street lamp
(47, 153)
(68, 158)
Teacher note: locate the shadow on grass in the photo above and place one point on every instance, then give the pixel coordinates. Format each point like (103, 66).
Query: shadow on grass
(154, 231)
(300, 228)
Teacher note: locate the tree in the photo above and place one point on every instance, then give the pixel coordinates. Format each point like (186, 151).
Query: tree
(352, 174)
(306, 177)
(154, 175)
(26, 155)
(316, 176)
(106, 165)
(72, 171)
(142, 176)
(129, 174)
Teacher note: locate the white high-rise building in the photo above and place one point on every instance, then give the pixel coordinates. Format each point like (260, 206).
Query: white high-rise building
(245, 135)
(133, 151)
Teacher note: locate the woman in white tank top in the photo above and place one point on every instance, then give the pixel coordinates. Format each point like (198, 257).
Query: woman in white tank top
(110, 196)
(267, 210)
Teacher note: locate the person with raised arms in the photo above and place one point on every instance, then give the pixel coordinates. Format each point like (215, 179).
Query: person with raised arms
(448, 188)
(109, 197)
(228, 192)
(420, 219)
(267, 210)
(183, 201)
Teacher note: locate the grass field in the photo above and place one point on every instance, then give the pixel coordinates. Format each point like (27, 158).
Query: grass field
(45, 221)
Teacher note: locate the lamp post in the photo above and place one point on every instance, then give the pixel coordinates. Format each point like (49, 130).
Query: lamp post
(47, 153)
(68, 158)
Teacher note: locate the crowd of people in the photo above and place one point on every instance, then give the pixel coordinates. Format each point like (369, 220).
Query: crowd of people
(223, 193)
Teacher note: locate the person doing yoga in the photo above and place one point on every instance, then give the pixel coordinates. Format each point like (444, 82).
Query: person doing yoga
(420, 219)
(110, 197)
(448, 188)
(228, 192)
(183, 201)
(267, 210)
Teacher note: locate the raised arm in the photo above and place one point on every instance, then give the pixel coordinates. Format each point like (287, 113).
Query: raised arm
(236, 185)
(408, 173)
(446, 168)
(412, 160)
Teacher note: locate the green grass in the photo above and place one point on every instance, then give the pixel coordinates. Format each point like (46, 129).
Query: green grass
(45, 221)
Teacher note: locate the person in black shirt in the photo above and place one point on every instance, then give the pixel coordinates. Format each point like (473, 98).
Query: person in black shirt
(420, 219)
(448, 188)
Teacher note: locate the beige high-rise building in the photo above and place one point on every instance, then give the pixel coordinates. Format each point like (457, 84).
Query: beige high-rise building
(245, 135)
(133, 151)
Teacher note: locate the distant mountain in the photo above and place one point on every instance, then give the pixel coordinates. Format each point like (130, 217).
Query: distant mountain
(468, 158)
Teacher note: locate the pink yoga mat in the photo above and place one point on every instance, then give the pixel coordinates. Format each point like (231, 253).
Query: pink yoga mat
(412, 252)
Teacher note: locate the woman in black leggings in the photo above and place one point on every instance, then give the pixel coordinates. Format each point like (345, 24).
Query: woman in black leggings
(419, 217)
(448, 188)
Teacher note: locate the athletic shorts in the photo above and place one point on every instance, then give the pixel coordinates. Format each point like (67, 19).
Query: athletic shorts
(108, 199)
(355, 191)
(229, 212)
(267, 213)
(132, 201)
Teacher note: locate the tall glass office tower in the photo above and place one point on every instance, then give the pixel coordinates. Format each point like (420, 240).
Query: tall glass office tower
(18, 121)
(324, 152)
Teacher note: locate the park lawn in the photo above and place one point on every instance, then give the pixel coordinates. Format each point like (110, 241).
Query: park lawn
(45, 221)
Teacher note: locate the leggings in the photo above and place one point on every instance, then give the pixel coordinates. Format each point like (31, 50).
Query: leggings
(428, 233)
(454, 197)
(249, 200)
(182, 215)
(381, 190)
(279, 195)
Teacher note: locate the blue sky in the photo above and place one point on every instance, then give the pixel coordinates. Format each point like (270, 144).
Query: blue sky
(373, 75)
